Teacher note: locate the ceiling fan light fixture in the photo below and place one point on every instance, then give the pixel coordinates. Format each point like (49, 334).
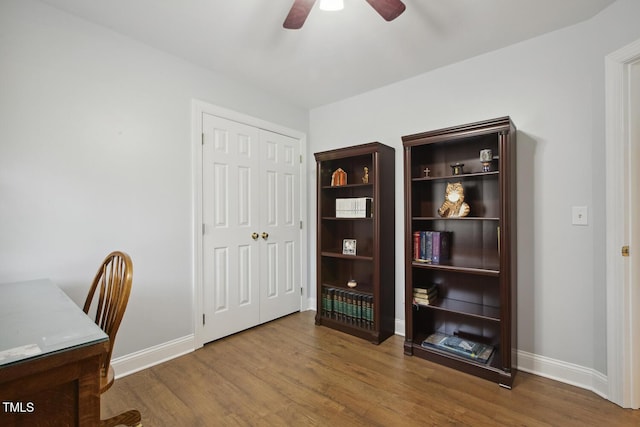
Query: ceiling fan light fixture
(331, 5)
(388, 9)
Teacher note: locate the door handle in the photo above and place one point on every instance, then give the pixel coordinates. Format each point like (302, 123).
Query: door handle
(254, 235)
(265, 235)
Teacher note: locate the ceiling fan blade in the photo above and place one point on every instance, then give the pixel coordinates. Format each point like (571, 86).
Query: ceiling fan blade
(388, 9)
(298, 14)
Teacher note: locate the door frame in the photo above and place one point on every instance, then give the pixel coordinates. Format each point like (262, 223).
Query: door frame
(198, 109)
(623, 316)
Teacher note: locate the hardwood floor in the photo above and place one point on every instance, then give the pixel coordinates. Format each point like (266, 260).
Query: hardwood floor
(291, 372)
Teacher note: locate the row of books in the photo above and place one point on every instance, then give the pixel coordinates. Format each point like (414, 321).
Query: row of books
(354, 207)
(351, 307)
(462, 347)
(432, 247)
(425, 296)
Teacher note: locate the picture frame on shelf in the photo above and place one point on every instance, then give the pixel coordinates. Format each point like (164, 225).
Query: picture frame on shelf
(349, 246)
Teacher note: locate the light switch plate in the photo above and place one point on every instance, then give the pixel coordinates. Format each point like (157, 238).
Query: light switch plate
(580, 215)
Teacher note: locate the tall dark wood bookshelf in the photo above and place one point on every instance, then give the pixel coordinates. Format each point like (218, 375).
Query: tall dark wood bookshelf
(368, 309)
(476, 285)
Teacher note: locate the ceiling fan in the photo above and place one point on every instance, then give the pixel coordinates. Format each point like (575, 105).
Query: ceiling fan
(388, 9)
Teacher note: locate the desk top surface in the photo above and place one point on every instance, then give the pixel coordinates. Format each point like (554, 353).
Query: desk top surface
(37, 318)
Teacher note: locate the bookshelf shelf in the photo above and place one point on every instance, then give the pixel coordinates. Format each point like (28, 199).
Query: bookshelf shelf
(347, 257)
(333, 218)
(456, 177)
(464, 308)
(345, 187)
(465, 218)
(367, 310)
(476, 283)
(457, 268)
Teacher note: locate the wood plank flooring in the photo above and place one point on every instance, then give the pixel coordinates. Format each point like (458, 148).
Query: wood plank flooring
(291, 372)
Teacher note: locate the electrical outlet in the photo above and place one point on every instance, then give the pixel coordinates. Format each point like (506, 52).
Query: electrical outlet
(580, 215)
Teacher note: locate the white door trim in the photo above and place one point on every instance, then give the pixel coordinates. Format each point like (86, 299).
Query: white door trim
(623, 325)
(198, 109)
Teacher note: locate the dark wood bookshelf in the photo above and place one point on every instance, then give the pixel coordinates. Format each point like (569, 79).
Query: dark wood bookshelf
(477, 285)
(375, 245)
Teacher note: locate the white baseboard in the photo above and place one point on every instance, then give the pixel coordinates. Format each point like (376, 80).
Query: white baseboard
(311, 305)
(565, 372)
(152, 356)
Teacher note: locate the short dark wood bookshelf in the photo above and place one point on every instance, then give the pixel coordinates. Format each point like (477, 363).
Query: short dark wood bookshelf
(356, 211)
(475, 286)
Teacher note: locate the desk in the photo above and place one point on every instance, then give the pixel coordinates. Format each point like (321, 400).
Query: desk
(49, 358)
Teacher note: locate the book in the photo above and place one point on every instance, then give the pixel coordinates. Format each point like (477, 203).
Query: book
(368, 316)
(416, 245)
(462, 347)
(347, 306)
(325, 302)
(340, 303)
(331, 295)
(351, 307)
(442, 250)
(426, 246)
(354, 207)
(432, 247)
(425, 296)
(435, 257)
(430, 290)
(423, 301)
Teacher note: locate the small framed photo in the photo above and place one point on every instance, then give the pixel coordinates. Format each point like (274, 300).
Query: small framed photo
(349, 247)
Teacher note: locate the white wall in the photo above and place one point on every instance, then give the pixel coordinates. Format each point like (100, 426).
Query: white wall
(95, 155)
(553, 89)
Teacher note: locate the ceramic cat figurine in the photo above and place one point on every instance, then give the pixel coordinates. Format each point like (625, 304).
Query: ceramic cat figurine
(454, 204)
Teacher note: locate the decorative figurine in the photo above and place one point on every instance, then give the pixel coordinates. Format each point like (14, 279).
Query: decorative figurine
(352, 283)
(486, 156)
(454, 204)
(339, 177)
(456, 169)
(365, 178)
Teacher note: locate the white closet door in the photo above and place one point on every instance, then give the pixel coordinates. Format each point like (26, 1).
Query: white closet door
(231, 295)
(280, 220)
(251, 254)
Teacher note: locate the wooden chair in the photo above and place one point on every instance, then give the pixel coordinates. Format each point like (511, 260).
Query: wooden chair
(110, 292)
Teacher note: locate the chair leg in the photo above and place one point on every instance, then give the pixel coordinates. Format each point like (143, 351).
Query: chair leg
(130, 418)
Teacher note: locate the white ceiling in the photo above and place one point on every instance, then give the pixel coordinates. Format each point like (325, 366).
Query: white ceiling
(336, 54)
